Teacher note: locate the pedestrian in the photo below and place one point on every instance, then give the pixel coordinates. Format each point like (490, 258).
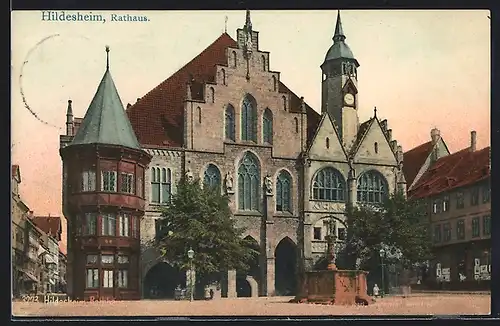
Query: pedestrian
(375, 291)
(211, 294)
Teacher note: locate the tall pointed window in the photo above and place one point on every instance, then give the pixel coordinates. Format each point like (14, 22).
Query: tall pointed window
(212, 177)
(267, 127)
(284, 192)
(328, 185)
(230, 134)
(249, 183)
(161, 185)
(372, 188)
(248, 120)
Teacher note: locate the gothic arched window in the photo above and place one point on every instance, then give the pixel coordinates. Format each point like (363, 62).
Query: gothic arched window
(284, 192)
(248, 120)
(329, 185)
(230, 123)
(372, 188)
(249, 183)
(212, 176)
(267, 126)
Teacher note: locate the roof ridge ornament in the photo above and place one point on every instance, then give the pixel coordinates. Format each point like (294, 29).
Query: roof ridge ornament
(107, 57)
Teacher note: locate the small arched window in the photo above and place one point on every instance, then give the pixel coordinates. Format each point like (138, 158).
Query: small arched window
(267, 127)
(327, 142)
(296, 125)
(212, 177)
(229, 125)
(235, 60)
(264, 63)
(199, 114)
(375, 147)
(223, 76)
(284, 102)
(275, 83)
(211, 95)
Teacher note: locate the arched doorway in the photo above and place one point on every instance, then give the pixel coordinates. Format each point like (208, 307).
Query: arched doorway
(243, 287)
(285, 267)
(161, 280)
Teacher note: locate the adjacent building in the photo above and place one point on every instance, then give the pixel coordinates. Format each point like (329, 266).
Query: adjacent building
(457, 190)
(61, 288)
(228, 119)
(18, 216)
(35, 246)
(51, 227)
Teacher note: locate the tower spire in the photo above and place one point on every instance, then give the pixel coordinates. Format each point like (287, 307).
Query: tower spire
(339, 32)
(107, 57)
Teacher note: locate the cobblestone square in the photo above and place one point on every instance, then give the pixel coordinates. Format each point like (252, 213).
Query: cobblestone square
(442, 304)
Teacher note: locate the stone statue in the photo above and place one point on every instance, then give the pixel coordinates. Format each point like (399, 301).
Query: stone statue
(229, 182)
(189, 175)
(352, 172)
(268, 183)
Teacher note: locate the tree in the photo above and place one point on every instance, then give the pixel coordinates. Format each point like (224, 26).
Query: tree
(398, 225)
(200, 218)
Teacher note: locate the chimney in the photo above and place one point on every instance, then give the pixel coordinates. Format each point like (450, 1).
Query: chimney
(473, 141)
(435, 136)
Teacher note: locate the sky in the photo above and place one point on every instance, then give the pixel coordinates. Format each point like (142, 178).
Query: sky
(421, 69)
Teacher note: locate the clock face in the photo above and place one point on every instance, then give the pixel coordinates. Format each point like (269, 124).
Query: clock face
(349, 99)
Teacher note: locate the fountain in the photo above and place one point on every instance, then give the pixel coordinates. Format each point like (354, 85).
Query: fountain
(333, 286)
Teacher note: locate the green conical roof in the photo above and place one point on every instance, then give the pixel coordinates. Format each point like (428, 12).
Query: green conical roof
(106, 121)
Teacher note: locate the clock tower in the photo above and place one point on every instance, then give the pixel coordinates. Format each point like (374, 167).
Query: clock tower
(339, 94)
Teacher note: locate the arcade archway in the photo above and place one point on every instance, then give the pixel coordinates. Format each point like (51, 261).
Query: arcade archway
(243, 287)
(161, 280)
(285, 283)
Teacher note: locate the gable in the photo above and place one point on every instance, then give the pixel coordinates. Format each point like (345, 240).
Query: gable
(374, 147)
(325, 144)
(350, 87)
(423, 167)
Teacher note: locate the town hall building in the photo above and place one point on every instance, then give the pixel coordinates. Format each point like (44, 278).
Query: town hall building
(228, 119)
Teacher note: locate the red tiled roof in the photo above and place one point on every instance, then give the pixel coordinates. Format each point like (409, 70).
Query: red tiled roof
(51, 225)
(414, 159)
(158, 117)
(452, 171)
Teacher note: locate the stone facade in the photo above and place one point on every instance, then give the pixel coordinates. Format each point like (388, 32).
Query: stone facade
(351, 149)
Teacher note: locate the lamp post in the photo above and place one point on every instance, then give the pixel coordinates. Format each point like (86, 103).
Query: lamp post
(191, 285)
(382, 253)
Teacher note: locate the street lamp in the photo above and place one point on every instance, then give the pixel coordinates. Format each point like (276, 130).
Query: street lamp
(382, 253)
(191, 256)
